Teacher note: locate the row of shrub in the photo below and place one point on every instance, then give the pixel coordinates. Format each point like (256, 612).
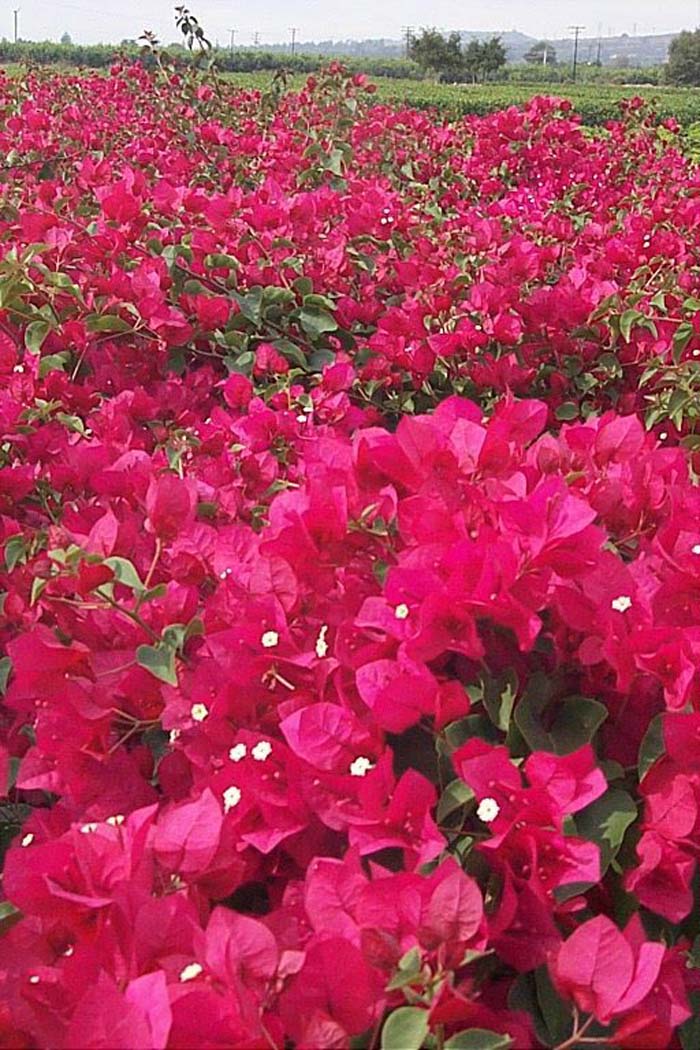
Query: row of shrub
(100, 56)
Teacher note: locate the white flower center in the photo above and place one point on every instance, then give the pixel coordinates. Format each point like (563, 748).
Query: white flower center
(116, 820)
(269, 640)
(361, 766)
(696, 548)
(321, 643)
(191, 971)
(173, 735)
(27, 840)
(231, 797)
(238, 752)
(262, 750)
(87, 829)
(199, 712)
(487, 810)
(401, 611)
(621, 604)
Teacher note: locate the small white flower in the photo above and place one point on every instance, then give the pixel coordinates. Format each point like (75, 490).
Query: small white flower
(621, 604)
(191, 971)
(270, 639)
(663, 435)
(116, 820)
(321, 643)
(27, 840)
(302, 419)
(69, 951)
(696, 548)
(87, 829)
(696, 353)
(199, 712)
(487, 810)
(231, 797)
(361, 766)
(18, 368)
(173, 735)
(238, 752)
(262, 750)
(401, 611)
(34, 979)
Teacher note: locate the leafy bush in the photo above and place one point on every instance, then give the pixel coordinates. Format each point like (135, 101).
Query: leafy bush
(350, 542)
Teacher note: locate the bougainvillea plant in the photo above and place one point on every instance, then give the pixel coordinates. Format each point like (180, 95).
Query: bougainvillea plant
(350, 572)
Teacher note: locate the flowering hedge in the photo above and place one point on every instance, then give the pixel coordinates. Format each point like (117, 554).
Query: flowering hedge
(351, 581)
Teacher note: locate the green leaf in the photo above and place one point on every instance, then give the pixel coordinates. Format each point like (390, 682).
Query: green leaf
(457, 733)
(681, 338)
(291, 352)
(499, 698)
(35, 334)
(53, 363)
(321, 302)
(575, 722)
(651, 747)
(159, 660)
(38, 587)
(319, 359)
(628, 320)
(568, 410)
(534, 993)
(605, 822)
(478, 1039)
(15, 551)
(316, 322)
(405, 1029)
(125, 573)
(408, 972)
(221, 261)
(251, 304)
(106, 323)
(5, 669)
(456, 794)
(9, 915)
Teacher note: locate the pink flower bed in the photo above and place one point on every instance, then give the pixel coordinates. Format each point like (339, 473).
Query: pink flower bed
(351, 582)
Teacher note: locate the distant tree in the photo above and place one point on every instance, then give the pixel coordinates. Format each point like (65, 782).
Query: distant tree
(684, 59)
(66, 39)
(438, 54)
(494, 56)
(536, 55)
(483, 58)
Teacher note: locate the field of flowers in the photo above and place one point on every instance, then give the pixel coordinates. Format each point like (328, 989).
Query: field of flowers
(349, 571)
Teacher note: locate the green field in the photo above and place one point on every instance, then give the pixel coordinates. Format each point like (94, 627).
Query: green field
(596, 103)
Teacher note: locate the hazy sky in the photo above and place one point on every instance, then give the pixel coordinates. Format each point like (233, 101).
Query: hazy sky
(111, 20)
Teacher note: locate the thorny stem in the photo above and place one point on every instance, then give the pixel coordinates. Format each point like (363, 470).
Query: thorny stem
(129, 613)
(578, 1034)
(152, 567)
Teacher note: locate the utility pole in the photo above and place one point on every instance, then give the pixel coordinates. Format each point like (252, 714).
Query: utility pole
(576, 30)
(598, 53)
(233, 38)
(294, 32)
(256, 39)
(15, 12)
(407, 34)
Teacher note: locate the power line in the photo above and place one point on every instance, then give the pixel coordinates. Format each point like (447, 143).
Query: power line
(576, 30)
